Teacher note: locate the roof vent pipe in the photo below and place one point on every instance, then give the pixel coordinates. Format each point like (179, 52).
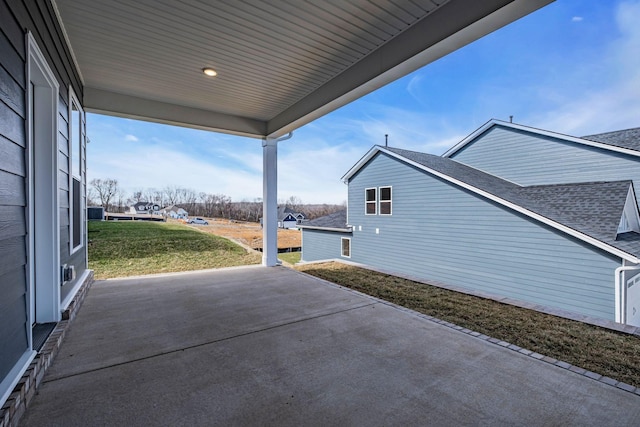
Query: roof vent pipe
(510, 119)
(386, 139)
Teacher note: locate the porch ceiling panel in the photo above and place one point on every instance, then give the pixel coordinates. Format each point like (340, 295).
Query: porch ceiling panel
(280, 63)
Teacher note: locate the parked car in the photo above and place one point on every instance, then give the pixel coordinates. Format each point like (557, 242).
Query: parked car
(198, 220)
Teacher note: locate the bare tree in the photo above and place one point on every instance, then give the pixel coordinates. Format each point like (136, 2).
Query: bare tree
(106, 190)
(137, 196)
(92, 197)
(295, 203)
(172, 195)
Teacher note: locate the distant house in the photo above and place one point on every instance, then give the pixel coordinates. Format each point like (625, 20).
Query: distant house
(511, 211)
(175, 212)
(143, 208)
(288, 218)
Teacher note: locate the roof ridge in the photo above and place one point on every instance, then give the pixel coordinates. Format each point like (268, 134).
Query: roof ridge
(596, 215)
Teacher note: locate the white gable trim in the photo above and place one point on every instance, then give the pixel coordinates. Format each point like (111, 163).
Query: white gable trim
(493, 122)
(630, 212)
(560, 227)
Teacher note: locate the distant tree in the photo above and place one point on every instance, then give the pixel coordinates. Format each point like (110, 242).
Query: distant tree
(92, 197)
(171, 195)
(295, 203)
(137, 196)
(106, 189)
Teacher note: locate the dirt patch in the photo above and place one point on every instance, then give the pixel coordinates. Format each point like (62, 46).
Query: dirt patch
(250, 233)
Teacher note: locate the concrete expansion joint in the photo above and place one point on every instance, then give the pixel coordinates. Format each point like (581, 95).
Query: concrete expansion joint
(177, 350)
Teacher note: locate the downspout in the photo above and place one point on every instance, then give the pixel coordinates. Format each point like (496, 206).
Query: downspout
(621, 292)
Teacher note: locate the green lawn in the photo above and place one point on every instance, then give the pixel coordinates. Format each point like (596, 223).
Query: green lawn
(290, 257)
(130, 248)
(606, 352)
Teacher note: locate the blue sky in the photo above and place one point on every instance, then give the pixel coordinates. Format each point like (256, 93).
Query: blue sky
(572, 67)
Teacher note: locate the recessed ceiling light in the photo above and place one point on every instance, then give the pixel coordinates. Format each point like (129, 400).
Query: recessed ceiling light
(210, 72)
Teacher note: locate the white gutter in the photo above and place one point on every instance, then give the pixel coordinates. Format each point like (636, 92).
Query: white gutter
(621, 293)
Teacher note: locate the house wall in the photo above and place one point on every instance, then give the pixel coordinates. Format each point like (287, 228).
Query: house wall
(530, 159)
(442, 233)
(16, 18)
(13, 143)
(79, 258)
(320, 245)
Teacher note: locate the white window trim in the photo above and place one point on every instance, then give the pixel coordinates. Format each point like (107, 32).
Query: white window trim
(73, 99)
(341, 252)
(44, 245)
(375, 202)
(390, 201)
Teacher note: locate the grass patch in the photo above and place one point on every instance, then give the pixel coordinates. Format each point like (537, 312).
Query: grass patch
(119, 248)
(606, 352)
(290, 257)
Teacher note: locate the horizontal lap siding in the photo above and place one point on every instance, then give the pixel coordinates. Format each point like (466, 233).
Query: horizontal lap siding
(443, 233)
(13, 251)
(17, 17)
(320, 245)
(530, 159)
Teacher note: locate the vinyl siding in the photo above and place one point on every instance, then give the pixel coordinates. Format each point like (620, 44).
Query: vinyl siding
(530, 159)
(78, 258)
(13, 277)
(319, 245)
(442, 233)
(17, 17)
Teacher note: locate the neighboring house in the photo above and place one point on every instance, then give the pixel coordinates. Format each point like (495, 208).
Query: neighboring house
(514, 221)
(288, 218)
(45, 84)
(175, 212)
(326, 237)
(144, 208)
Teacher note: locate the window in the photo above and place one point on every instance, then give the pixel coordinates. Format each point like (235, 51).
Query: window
(370, 201)
(385, 200)
(76, 173)
(346, 247)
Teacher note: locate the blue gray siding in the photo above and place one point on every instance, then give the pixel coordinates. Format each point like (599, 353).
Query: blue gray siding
(13, 143)
(17, 17)
(530, 159)
(319, 245)
(78, 258)
(442, 233)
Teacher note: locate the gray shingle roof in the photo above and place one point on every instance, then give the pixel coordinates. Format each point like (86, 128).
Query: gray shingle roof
(336, 220)
(628, 138)
(593, 208)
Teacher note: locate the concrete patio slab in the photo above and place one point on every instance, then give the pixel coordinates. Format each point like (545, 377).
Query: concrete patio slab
(271, 346)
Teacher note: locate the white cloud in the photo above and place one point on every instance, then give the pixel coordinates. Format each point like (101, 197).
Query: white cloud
(577, 19)
(131, 138)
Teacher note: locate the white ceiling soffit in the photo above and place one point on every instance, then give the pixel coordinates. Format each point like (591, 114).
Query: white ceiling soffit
(280, 64)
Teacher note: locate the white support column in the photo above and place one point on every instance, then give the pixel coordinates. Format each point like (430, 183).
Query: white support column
(269, 202)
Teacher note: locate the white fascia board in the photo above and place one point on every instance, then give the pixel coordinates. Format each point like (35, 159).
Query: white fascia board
(493, 122)
(438, 34)
(631, 210)
(560, 227)
(355, 168)
(119, 105)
